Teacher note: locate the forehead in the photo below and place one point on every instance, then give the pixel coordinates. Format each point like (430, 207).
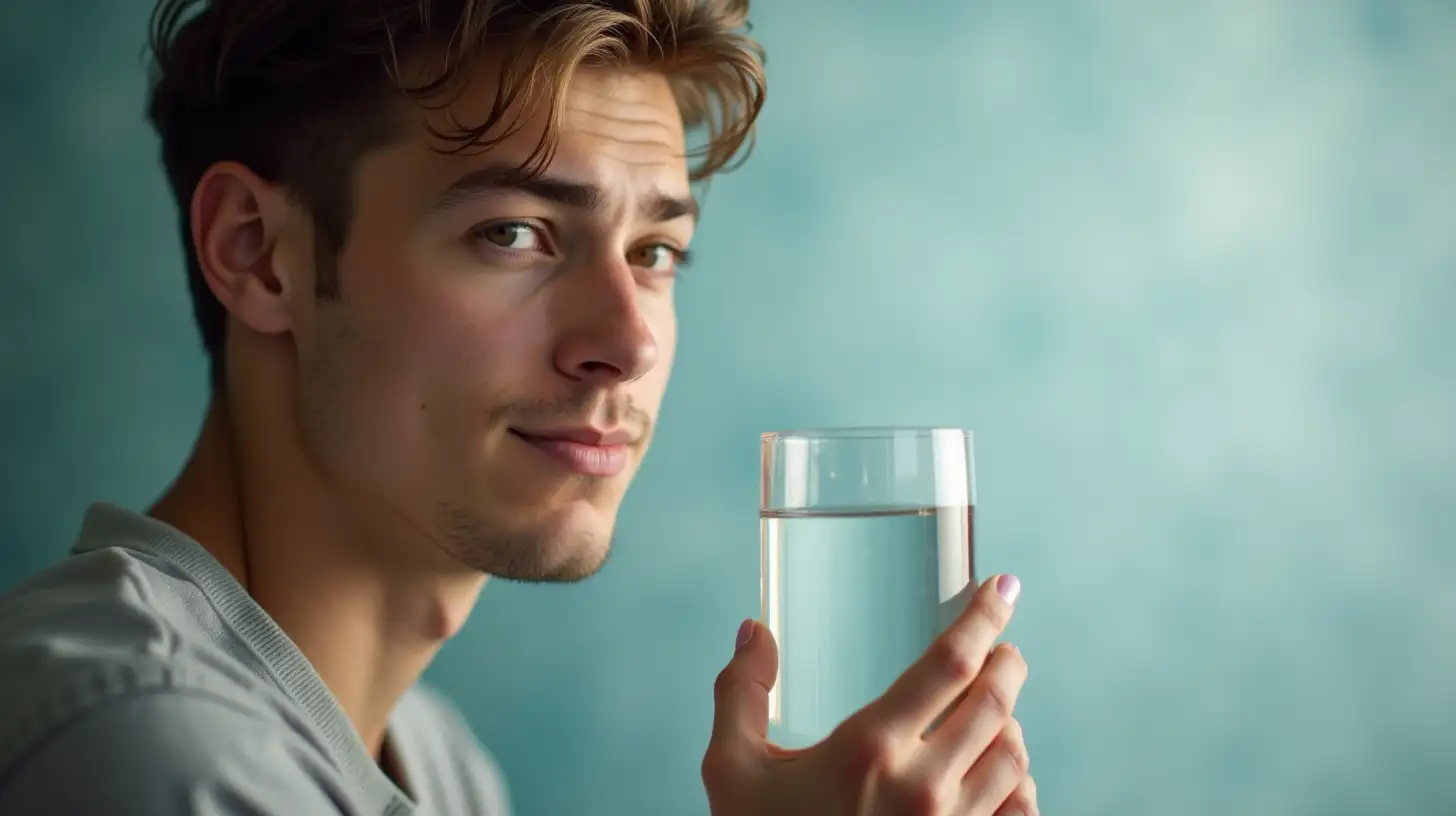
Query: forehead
(617, 127)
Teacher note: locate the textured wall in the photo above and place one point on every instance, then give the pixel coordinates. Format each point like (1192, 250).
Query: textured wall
(1186, 268)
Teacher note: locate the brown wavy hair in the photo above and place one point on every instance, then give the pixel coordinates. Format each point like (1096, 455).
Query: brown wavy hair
(298, 90)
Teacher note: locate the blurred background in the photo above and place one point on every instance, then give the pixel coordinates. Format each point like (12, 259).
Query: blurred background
(1187, 269)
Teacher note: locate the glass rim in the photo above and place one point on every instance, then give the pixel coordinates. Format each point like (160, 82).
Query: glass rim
(850, 432)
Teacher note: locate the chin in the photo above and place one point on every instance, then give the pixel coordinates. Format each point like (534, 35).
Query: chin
(575, 563)
(562, 558)
(571, 547)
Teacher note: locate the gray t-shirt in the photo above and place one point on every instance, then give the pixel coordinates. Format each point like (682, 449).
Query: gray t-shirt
(137, 676)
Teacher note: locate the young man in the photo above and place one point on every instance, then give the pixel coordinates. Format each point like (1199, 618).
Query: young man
(431, 248)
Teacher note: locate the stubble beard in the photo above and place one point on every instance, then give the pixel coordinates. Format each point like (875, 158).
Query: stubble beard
(497, 549)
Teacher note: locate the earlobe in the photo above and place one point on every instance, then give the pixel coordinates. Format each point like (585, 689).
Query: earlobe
(237, 220)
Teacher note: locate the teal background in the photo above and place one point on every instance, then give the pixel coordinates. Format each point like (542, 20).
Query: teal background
(1187, 269)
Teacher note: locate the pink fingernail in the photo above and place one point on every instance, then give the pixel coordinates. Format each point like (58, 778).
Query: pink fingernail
(745, 634)
(1008, 587)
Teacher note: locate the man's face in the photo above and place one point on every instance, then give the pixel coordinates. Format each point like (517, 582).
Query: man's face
(491, 373)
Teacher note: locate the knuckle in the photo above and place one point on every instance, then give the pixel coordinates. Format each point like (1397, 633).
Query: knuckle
(872, 752)
(714, 766)
(996, 700)
(1013, 732)
(719, 778)
(715, 762)
(1014, 660)
(922, 796)
(955, 660)
(724, 683)
(1028, 794)
(1013, 753)
(877, 754)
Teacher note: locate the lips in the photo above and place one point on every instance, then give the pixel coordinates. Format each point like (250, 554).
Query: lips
(583, 451)
(586, 436)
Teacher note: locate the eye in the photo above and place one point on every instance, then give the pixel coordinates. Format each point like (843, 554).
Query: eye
(517, 236)
(659, 258)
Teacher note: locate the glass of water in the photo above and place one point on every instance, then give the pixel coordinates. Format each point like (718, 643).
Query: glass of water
(867, 555)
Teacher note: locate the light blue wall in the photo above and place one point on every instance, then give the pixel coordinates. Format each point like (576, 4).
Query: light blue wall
(1188, 270)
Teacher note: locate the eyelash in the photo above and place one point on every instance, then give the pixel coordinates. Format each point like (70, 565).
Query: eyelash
(682, 258)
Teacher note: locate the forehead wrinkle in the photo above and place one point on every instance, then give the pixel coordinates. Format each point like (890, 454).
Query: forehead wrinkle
(652, 123)
(621, 85)
(612, 137)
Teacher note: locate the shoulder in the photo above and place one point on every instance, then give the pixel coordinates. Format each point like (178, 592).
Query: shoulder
(100, 602)
(170, 751)
(112, 702)
(448, 766)
(97, 631)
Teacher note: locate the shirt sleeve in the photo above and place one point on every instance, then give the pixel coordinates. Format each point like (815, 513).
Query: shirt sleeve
(170, 753)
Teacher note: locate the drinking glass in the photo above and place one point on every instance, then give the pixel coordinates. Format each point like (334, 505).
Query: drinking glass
(867, 550)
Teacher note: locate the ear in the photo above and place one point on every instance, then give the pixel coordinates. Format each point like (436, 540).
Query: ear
(237, 220)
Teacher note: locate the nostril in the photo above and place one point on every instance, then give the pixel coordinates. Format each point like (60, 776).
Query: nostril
(596, 369)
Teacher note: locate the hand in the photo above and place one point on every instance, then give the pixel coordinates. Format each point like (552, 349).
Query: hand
(940, 741)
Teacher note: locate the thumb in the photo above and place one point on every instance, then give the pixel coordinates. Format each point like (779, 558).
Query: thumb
(740, 696)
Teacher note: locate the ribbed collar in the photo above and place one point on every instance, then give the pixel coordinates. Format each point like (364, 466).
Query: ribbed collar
(107, 525)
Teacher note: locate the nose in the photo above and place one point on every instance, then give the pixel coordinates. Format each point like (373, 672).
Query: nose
(607, 338)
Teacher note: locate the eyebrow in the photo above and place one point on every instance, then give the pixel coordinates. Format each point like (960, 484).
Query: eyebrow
(494, 180)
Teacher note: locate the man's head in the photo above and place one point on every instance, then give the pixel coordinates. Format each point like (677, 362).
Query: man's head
(441, 238)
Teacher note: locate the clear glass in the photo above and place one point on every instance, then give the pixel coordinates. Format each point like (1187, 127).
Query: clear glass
(867, 550)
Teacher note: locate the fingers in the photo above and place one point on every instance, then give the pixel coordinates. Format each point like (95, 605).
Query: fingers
(740, 707)
(1022, 801)
(997, 774)
(929, 686)
(980, 717)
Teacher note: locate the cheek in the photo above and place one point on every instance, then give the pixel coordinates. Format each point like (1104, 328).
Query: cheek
(474, 338)
(442, 333)
(392, 409)
(356, 405)
(476, 357)
(667, 345)
(667, 336)
(368, 364)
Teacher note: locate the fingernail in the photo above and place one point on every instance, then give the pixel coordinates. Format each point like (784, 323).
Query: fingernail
(745, 634)
(1008, 587)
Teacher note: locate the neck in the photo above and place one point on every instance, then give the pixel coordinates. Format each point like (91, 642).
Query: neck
(366, 619)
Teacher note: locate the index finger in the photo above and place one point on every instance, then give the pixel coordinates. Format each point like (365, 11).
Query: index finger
(937, 678)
